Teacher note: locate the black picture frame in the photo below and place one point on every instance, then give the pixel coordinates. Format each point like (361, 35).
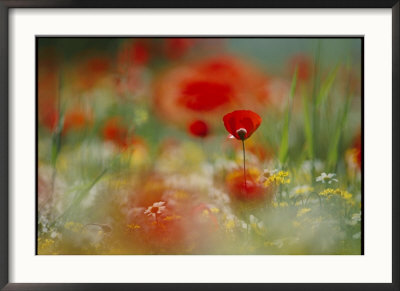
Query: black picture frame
(5, 6)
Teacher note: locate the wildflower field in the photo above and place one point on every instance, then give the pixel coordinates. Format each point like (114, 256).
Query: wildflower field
(199, 146)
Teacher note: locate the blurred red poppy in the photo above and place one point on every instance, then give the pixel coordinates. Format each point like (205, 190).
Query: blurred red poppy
(205, 95)
(198, 128)
(252, 189)
(76, 119)
(207, 88)
(304, 65)
(133, 53)
(177, 47)
(48, 116)
(353, 155)
(242, 123)
(116, 132)
(168, 228)
(166, 232)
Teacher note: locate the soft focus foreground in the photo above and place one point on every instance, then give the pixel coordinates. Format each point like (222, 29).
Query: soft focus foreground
(134, 158)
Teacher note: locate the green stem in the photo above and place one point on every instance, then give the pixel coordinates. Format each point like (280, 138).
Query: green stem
(314, 108)
(244, 166)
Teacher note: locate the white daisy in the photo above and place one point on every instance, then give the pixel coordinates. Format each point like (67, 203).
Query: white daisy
(156, 208)
(324, 177)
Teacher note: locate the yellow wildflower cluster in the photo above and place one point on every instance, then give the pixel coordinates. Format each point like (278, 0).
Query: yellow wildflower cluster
(330, 192)
(281, 177)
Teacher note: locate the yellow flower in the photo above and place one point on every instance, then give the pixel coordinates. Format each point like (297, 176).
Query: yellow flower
(329, 192)
(277, 179)
(230, 224)
(346, 195)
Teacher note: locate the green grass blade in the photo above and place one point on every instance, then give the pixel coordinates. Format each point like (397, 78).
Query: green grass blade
(56, 140)
(284, 147)
(327, 85)
(56, 137)
(333, 153)
(334, 144)
(307, 128)
(80, 197)
(314, 108)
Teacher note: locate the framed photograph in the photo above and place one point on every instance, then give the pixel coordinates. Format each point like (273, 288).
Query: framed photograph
(159, 148)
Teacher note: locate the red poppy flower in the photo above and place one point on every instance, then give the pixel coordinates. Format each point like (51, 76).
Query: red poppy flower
(207, 88)
(198, 128)
(205, 95)
(116, 132)
(160, 231)
(242, 123)
(76, 119)
(252, 189)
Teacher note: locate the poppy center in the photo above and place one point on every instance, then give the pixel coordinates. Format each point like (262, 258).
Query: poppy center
(241, 132)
